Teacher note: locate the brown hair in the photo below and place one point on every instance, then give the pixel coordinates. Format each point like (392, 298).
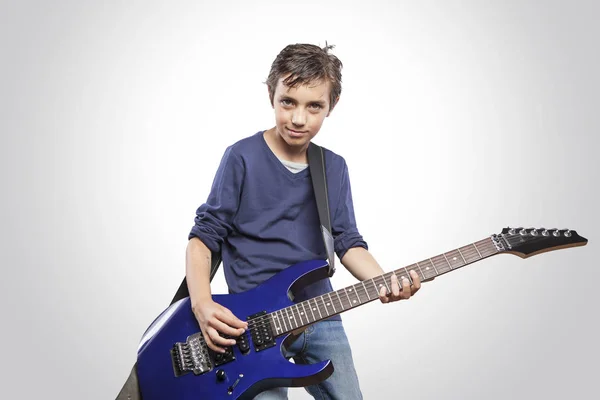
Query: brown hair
(306, 63)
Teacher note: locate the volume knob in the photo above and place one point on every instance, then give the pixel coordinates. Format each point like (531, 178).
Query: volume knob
(221, 375)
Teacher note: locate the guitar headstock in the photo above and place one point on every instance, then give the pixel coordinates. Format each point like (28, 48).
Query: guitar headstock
(527, 242)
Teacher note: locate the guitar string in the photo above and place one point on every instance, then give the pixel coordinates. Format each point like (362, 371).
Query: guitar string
(335, 301)
(342, 296)
(468, 251)
(382, 280)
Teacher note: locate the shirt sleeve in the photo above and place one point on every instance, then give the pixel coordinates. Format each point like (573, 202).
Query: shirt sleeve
(214, 219)
(345, 231)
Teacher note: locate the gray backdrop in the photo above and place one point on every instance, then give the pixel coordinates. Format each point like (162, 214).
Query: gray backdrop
(457, 119)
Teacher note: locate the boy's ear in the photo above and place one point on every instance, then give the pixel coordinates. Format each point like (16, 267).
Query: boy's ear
(333, 105)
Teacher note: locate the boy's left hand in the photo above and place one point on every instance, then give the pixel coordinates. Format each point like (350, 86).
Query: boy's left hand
(400, 293)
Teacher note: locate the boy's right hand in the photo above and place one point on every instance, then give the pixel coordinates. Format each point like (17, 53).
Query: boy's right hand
(214, 318)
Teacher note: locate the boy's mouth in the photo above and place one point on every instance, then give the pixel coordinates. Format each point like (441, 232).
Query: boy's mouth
(296, 133)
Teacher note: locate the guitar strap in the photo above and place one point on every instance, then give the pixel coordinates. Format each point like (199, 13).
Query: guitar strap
(316, 164)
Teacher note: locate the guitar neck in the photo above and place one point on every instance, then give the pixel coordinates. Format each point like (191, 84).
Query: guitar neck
(322, 307)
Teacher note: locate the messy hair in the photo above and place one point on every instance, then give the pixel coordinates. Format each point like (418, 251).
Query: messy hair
(305, 64)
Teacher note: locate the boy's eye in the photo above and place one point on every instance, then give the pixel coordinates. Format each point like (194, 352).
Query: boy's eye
(286, 102)
(317, 106)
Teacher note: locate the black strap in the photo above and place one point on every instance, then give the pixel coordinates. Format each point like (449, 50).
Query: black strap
(316, 163)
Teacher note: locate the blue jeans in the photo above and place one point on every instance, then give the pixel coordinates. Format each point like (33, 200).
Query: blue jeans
(325, 340)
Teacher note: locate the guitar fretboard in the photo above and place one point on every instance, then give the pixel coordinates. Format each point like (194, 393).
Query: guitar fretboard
(322, 307)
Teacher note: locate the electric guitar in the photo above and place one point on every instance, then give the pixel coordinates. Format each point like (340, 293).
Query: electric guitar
(175, 363)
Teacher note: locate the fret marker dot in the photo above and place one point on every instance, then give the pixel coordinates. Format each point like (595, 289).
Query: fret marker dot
(349, 290)
(314, 309)
(355, 301)
(427, 269)
(327, 303)
(453, 258)
(301, 313)
(291, 317)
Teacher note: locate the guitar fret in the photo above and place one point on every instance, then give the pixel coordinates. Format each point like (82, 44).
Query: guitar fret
(366, 291)
(319, 307)
(331, 302)
(385, 283)
(284, 321)
(459, 252)
(338, 295)
(487, 247)
(449, 265)
(311, 310)
(357, 296)
(421, 271)
(302, 313)
(418, 265)
(374, 285)
(352, 291)
(433, 265)
(293, 316)
(296, 313)
(474, 245)
(289, 317)
(278, 326)
(456, 260)
(273, 316)
(305, 314)
(348, 297)
(407, 277)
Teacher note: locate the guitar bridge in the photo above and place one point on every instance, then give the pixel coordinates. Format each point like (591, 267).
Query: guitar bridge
(191, 356)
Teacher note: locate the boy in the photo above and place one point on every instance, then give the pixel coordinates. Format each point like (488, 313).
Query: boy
(261, 215)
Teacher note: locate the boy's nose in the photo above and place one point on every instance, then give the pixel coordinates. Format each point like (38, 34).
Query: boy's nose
(298, 119)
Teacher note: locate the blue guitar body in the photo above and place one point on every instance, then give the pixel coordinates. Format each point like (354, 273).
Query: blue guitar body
(166, 345)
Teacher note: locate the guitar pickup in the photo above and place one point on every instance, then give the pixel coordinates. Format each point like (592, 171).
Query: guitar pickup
(242, 343)
(223, 358)
(261, 332)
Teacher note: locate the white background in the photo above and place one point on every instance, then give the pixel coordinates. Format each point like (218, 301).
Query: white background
(457, 119)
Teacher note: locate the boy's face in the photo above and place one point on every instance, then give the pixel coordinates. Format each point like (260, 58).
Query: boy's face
(300, 111)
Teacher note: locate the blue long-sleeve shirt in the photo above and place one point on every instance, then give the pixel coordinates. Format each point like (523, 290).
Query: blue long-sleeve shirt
(263, 218)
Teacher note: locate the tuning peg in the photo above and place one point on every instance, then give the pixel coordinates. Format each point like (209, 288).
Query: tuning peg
(534, 232)
(523, 232)
(511, 231)
(545, 232)
(568, 233)
(556, 233)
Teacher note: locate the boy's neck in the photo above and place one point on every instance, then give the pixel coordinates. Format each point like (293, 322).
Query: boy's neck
(284, 151)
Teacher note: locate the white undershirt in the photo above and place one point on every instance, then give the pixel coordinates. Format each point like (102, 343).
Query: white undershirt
(294, 166)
